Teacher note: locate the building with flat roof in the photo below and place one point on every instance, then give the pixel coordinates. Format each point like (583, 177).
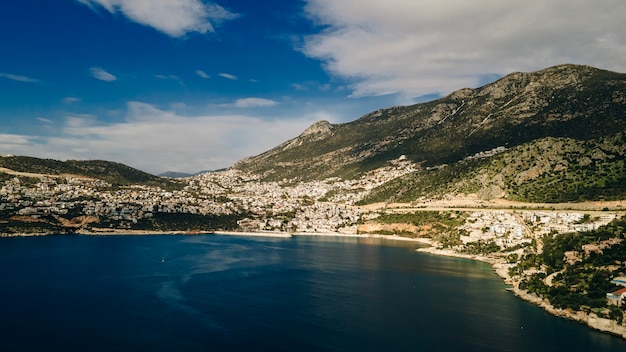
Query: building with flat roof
(620, 280)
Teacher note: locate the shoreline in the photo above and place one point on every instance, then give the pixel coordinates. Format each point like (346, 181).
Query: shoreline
(251, 234)
(500, 267)
(274, 234)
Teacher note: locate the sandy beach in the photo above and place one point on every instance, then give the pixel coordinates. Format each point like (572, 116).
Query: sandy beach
(252, 234)
(426, 241)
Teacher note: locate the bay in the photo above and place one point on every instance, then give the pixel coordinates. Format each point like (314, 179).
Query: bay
(226, 293)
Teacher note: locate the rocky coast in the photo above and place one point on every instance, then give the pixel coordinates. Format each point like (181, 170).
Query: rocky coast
(501, 268)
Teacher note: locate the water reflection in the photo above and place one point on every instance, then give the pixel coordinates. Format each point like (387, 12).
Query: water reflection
(228, 293)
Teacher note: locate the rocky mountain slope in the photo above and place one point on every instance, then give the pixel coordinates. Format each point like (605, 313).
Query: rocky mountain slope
(576, 104)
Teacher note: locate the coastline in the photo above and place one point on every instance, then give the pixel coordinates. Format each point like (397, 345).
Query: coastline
(422, 240)
(500, 267)
(118, 232)
(251, 234)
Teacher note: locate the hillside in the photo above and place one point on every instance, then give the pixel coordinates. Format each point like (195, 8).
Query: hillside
(577, 103)
(551, 170)
(115, 173)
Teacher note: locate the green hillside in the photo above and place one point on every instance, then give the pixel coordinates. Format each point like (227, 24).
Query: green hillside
(115, 173)
(549, 170)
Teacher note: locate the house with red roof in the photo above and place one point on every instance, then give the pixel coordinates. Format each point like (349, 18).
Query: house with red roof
(617, 297)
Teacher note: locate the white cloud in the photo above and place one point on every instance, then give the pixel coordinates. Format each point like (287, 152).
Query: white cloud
(171, 78)
(202, 74)
(101, 74)
(8, 140)
(228, 76)
(44, 120)
(254, 103)
(312, 85)
(158, 140)
(172, 17)
(18, 78)
(70, 100)
(299, 87)
(417, 47)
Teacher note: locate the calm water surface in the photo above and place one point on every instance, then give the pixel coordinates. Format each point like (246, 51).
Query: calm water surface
(221, 293)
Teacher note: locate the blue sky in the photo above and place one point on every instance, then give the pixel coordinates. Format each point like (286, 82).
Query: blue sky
(190, 85)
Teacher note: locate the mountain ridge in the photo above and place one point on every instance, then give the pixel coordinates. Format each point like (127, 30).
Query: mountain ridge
(567, 100)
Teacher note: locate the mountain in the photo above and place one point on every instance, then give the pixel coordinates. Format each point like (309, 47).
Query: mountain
(115, 173)
(577, 103)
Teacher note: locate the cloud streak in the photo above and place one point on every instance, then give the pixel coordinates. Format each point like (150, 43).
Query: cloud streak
(175, 18)
(44, 120)
(18, 78)
(253, 103)
(202, 74)
(71, 100)
(228, 76)
(101, 74)
(421, 47)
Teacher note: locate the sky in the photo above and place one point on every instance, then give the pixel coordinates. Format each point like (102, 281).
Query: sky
(191, 85)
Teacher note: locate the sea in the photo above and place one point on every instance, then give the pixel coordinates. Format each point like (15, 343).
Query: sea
(238, 293)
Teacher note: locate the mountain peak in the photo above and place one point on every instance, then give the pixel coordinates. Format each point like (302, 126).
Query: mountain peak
(322, 127)
(571, 101)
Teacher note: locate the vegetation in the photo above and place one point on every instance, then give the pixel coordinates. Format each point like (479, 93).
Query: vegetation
(481, 248)
(176, 222)
(5, 177)
(441, 226)
(585, 282)
(32, 227)
(549, 170)
(115, 173)
(440, 219)
(430, 184)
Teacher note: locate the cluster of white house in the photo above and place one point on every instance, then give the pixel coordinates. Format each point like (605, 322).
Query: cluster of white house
(284, 205)
(509, 229)
(280, 206)
(83, 196)
(501, 227)
(545, 222)
(277, 205)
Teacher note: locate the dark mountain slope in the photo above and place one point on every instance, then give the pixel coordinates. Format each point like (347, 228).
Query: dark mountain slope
(115, 173)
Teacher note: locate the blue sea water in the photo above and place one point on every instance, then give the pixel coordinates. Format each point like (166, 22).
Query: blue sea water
(224, 293)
